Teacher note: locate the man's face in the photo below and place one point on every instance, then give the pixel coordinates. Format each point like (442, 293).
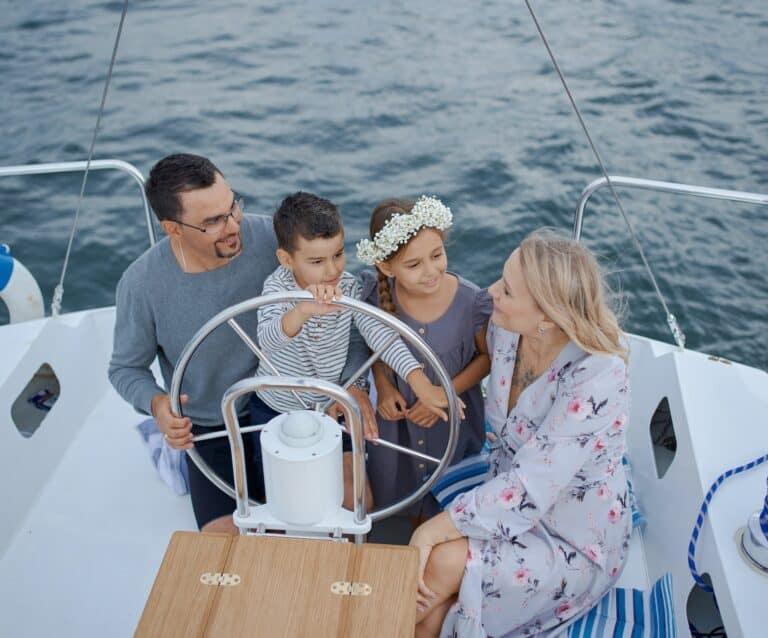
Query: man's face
(315, 261)
(203, 207)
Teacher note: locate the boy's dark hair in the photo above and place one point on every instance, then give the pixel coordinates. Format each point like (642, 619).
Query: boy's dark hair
(177, 174)
(306, 215)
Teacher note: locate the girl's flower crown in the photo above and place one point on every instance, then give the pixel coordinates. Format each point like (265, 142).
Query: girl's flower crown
(427, 212)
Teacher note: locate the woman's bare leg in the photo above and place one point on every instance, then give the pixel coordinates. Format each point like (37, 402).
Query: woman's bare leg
(445, 569)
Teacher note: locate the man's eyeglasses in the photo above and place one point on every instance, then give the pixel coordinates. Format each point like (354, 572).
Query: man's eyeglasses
(215, 225)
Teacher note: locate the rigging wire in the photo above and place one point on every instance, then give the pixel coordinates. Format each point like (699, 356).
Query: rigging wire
(677, 333)
(58, 293)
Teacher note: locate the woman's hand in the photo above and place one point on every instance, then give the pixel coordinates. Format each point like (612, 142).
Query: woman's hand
(389, 402)
(439, 529)
(423, 542)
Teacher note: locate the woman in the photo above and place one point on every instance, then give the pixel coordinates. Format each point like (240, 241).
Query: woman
(546, 535)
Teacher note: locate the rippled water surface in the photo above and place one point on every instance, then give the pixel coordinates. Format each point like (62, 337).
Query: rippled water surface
(361, 101)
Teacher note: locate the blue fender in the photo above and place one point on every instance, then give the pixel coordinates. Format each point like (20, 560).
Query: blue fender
(6, 266)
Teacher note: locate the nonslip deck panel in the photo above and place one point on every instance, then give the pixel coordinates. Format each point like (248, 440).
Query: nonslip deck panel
(285, 589)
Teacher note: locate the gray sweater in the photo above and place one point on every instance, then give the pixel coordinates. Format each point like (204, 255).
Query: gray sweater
(160, 308)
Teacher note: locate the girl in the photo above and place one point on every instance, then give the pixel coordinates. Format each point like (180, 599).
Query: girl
(451, 315)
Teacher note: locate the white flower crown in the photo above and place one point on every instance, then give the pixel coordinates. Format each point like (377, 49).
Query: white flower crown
(427, 212)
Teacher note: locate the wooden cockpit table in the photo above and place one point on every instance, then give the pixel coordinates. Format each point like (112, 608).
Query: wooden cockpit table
(220, 585)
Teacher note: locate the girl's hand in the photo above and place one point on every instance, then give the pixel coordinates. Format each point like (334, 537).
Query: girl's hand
(390, 403)
(431, 396)
(323, 304)
(421, 416)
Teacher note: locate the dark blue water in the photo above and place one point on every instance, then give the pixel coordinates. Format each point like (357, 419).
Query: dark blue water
(361, 101)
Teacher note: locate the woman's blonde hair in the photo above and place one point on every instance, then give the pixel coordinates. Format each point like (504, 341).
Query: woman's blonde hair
(569, 286)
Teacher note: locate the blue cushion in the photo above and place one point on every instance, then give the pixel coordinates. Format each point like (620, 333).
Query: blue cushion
(461, 477)
(630, 613)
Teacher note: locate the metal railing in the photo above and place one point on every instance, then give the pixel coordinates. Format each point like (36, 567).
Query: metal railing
(663, 187)
(96, 165)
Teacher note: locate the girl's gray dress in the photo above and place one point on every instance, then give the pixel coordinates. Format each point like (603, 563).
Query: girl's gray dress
(452, 337)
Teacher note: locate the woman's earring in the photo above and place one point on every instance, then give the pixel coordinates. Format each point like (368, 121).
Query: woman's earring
(540, 330)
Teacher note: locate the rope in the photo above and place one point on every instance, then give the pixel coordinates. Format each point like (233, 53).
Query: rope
(703, 514)
(677, 333)
(764, 516)
(58, 293)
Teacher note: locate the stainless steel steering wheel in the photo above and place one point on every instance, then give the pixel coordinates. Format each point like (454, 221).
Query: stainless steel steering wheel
(400, 330)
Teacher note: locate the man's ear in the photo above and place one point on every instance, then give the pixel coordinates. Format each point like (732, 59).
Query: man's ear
(384, 268)
(284, 257)
(170, 228)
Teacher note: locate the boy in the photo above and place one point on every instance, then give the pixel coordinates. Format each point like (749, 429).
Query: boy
(311, 338)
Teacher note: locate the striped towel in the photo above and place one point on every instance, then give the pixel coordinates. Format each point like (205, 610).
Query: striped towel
(630, 613)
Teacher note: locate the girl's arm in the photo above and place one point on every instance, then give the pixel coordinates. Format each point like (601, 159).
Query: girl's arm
(470, 376)
(477, 369)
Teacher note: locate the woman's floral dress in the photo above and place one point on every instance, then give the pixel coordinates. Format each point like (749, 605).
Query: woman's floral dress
(549, 530)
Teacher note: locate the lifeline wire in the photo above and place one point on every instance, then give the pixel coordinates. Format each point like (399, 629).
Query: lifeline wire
(677, 333)
(58, 293)
(703, 514)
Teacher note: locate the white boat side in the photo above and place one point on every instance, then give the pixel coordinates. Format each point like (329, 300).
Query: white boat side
(87, 520)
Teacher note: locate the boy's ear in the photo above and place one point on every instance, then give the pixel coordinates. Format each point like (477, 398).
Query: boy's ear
(284, 257)
(384, 268)
(170, 228)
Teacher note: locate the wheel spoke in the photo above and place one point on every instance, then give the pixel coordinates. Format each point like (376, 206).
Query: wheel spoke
(222, 433)
(363, 368)
(262, 357)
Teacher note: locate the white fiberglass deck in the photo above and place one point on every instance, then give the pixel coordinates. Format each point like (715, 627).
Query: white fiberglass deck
(86, 520)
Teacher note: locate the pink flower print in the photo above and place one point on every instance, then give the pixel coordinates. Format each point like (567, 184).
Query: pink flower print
(599, 445)
(578, 409)
(510, 497)
(614, 570)
(473, 558)
(593, 552)
(620, 420)
(520, 577)
(552, 375)
(519, 429)
(563, 611)
(614, 514)
(610, 469)
(503, 382)
(459, 507)
(603, 493)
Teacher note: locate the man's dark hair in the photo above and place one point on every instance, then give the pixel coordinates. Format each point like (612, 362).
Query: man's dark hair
(306, 215)
(177, 174)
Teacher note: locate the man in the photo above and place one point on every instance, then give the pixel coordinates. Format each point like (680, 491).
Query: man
(214, 256)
